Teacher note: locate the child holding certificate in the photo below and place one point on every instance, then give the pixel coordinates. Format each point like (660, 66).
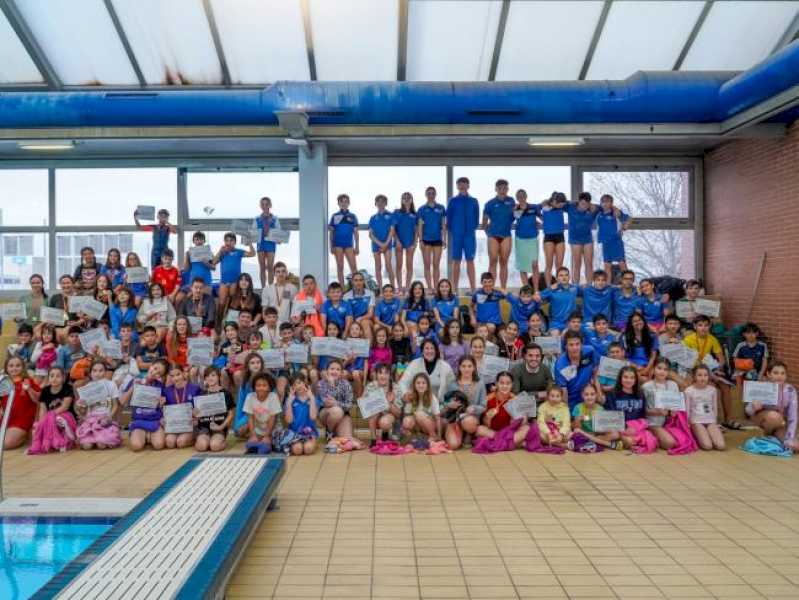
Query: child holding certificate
(382, 420)
(583, 420)
(180, 392)
(335, 393)
(212, 429)
(656, 417)
(357, 367)
(554, 419)
(418, 409)
(96, 409)
(299, 416)
(145, 421)
(778, 420)
(496, 417)
(701, 402)
(261, 407)
(139, 288)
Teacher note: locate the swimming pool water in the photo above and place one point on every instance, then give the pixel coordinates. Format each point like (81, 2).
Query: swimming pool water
(33, 550)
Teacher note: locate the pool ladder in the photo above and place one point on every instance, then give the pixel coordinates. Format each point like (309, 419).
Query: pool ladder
(6, 387)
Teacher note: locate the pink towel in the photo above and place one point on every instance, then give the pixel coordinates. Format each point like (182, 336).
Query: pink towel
(644, 442)
(390, 448)
(532, 443)
(677, 425)
(501, 442)
(48, 436)
(439, 447)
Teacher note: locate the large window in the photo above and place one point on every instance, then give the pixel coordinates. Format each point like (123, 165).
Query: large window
(656, 252)
(22, 255)
(644, 194)
(69, 244)
(109, 196)
(213, 195)
(23, 197)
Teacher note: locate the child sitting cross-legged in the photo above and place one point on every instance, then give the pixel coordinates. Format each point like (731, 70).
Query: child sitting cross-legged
(496, 417)
(418, 409)
(583, 420)
(554, 421)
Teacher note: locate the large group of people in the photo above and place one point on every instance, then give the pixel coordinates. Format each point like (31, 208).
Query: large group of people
(181, 358)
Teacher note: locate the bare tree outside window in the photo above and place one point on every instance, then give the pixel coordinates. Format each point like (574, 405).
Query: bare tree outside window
(650, 195)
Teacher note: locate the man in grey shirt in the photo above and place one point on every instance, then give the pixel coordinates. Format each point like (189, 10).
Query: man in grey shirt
(529, 375)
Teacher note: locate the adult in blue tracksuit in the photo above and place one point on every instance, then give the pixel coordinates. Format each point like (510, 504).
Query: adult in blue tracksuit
(497, 221)
(463, 217)
(582, 215)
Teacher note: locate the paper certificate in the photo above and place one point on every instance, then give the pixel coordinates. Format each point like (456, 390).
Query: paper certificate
(550, 344)
(111, 349)
(5, 385)
(91, 339)
(278, 236)
(196, 323)
(145, 213)
(359, 347)
(491, 348)
(669, 399)
(765, 392)
(178, 418)
(210, 405)
(702, 412)
(685, 309)
(328, 346)
(709, 308)
(493, 366)
(711, 362)
(674, 352)
(523, 405)
(94, 393)
(610, 367)
(89, 307)
(688, 358)
(605, 421)
(137, 275)
(54, 316)
(201, 351)
(297, 353)
(243, 226)
(303, 306)
(145, 396)
(13, 310)
(373, 403)
(232, 316)
(200, 253)
(273, 358)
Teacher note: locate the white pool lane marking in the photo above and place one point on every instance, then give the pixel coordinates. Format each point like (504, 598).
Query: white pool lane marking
(156, 555)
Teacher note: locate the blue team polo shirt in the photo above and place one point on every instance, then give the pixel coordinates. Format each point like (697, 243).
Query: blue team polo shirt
(463, 215)
(338, 314)
(431, 217)
(597, 302)
(652, 309)
(581, 222)
(562, 302)
(359, 304)
(623, 306)
(600, 344)
(446, 308)
(405, 225)
(553, 219)
(380, 223)
(527, 221)
(520, 312)
(487, 310)
(230, 266)
(608, 225)
(574, 379)
(344, 224)
(500, 213)
(386, 312)
(414, 310)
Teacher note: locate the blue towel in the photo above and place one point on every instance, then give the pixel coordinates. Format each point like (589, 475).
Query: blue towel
(767, 445)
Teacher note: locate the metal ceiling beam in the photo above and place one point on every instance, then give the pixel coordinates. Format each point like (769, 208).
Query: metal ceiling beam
(402, 40)
(700, 20)
(123, 37)
(220, 51)
(503, 20)
(791, 34)
(306, 23)
(32, 47)
(600, 26)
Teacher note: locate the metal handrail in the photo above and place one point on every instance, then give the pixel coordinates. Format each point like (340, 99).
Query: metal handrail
(6, 415)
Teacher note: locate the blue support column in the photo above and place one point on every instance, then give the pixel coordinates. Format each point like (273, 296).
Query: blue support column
(314, 250)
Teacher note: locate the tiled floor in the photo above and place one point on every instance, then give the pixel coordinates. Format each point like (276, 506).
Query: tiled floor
(514, 525)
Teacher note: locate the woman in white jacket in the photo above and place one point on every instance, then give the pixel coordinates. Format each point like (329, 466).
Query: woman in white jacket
(431, 363)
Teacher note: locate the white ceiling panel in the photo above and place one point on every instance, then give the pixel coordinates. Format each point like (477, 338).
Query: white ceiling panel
(16, 66)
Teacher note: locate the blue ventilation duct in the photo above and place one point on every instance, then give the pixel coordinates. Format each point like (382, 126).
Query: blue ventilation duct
(651, 97)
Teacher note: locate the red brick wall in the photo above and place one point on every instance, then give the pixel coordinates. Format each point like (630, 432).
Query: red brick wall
(752, 206)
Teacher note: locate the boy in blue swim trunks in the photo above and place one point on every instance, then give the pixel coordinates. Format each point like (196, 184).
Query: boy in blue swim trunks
(344, 237)
(381, 232)
(611, 225)
(462, 218)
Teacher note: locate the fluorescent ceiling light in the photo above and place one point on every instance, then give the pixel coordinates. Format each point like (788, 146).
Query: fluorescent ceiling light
(47, 145)
(296, 142)
(555, 141)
